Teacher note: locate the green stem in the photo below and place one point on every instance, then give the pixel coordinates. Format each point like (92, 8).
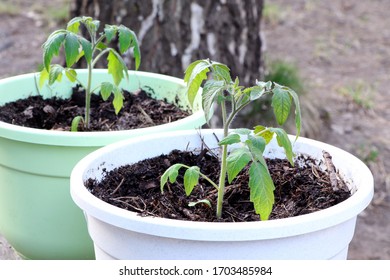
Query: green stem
(222, 175)
(204, 177)
(88, 94)
(99, 56)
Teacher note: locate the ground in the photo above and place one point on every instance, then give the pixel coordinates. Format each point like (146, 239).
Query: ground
(342, 51)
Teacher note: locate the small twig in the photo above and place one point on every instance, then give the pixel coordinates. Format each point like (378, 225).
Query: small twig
(331, 169)
(117, 188)
(148, 118)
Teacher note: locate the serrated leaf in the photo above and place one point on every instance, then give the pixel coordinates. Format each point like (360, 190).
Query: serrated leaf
(74, 28)
(211, 89)
(87, 48)
(264, 132)
(125, 38)
(295, 97)
(191, 179)
(110, 31)
(91, 25)
(266, 85)
(256, 145)
(106, 89)
(71, 74)
(55, 73)
(255, 92)
(52, 46)
(74, 24)
(236, 161)
(75, 123)
(71, 46)
(284, 141)
(43, 77)
(170, 174)
(281, 102)
(195, 74)
(261, 190)
(230, 139)
(221, 72)
(116, 67)
(136, 50)
(118, 99)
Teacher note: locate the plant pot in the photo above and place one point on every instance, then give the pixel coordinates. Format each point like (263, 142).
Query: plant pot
(37, 214)
(121, 234)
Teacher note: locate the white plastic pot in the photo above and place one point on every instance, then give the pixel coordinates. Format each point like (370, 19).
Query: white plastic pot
(121, 234)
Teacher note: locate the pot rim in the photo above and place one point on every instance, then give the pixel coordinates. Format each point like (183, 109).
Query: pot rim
(215, 231)
(93, 138)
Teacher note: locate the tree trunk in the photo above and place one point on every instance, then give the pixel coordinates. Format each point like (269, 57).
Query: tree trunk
(173, 33)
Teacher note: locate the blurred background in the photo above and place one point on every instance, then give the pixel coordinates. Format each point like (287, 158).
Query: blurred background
(335, 54)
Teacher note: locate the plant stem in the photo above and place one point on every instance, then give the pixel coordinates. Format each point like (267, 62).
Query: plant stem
(222, 175)
(88, 97)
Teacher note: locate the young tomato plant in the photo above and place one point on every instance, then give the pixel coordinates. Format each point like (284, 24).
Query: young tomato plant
(249, 144)
(92, 50)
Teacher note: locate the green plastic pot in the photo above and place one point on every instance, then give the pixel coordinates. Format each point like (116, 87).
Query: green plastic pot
(37, 215)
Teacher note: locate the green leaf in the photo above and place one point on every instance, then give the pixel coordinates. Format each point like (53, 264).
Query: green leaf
(55, 73)
(242, 131)
(106, 89)
(284, 141)
(230, 139)
(116, 67)
(255, 92)
(43, 77)
(295, 97)
(191, 179)
(264, 132)
(281, 102)
(261, 190)
(74, 23)
(52, 46)
(135, 45)
(125, 38)
(71, 74)
(87, 48)
(110, 31)
(266, 85)
(221, 72)
(236, 161)
(118, 99)
(195, 74)
(256, 145)
(91, 25)
(170, 174)
(211, 89)
(71, 49)
(75, 123)
(136, 51)
(202, 201)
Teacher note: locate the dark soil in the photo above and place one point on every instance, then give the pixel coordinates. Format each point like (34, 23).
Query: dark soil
(299, 190)
(139, 110)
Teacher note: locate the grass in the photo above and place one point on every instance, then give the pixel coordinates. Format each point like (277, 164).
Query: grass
(360, 93)
(285, 73)
(272, 13)
(9, 8)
